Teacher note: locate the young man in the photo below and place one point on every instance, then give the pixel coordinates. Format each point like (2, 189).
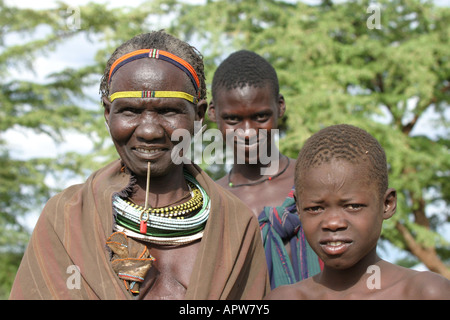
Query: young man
(343, 197)
(145, 227)
(247, 106)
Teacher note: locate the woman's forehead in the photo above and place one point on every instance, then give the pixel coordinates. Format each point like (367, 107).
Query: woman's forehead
(150, 74)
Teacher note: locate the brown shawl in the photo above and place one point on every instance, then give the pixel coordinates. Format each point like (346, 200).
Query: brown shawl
(75, 225)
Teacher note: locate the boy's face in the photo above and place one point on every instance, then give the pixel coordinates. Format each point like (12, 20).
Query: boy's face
(244, 112)
(342, 212)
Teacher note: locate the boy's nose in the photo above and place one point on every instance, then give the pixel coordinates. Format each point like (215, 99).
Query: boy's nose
(334, 221)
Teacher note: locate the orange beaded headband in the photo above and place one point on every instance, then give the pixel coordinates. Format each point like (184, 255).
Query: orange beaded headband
(161, 55)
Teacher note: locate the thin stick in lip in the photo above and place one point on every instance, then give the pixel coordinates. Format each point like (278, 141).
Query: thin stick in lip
(147, 188)
(143, 224)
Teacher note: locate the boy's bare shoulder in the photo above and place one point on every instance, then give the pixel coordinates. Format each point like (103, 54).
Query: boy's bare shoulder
(428, 285)
(298, 291)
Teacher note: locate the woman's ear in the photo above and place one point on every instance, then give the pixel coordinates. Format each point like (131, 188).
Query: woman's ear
(107, 108)
(212, 111)
(201, 110)
(390, 203)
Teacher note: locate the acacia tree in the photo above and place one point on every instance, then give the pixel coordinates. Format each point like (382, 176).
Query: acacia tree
(332, 69)
(383, 68)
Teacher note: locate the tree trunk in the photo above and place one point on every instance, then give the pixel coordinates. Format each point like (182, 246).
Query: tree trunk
(427, 255)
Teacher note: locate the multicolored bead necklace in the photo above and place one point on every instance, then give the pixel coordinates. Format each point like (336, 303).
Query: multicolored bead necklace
(165, 229)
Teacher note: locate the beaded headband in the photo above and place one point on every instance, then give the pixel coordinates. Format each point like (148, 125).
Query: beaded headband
(153, 94)
(161, 55)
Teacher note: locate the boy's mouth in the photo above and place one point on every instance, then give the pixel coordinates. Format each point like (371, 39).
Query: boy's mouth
(335, 246)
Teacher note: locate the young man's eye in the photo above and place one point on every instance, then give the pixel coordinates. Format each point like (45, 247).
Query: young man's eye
(231, 119)
(262, 117)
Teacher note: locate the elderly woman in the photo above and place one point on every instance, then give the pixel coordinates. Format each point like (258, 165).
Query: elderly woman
(144, 227)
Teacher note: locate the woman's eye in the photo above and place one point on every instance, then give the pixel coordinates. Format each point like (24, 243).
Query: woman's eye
(170, 111)
(129, 111)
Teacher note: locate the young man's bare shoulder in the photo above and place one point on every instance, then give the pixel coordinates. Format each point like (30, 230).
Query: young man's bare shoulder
(298, 291)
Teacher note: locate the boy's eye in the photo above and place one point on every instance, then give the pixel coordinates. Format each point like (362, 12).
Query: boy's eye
(313, 210)
(355, 206)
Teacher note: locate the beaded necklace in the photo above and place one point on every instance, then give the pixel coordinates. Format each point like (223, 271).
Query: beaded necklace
(183, 209)
(163, 226)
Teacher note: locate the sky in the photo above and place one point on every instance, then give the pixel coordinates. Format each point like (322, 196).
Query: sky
(26, 144)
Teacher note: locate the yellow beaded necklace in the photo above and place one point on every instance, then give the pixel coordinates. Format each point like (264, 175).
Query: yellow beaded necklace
(180, 210)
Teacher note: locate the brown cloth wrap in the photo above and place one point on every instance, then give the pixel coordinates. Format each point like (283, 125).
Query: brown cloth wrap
(74, 227)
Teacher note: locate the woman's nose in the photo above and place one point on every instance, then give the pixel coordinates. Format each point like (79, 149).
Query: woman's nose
(149, 127)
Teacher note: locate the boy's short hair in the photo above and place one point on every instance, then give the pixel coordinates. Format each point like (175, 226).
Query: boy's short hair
(344, 142)
(245, 68)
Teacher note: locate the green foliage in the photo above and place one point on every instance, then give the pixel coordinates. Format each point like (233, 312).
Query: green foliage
(332, 69)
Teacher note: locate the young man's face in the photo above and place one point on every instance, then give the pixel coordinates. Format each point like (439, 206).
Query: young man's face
(342, 212)
(141, 128)
(244, 112)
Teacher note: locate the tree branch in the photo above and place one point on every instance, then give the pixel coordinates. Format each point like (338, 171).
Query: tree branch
(427, 255)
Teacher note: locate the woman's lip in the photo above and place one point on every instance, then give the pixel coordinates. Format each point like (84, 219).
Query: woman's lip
(148, 153)
(335, 247)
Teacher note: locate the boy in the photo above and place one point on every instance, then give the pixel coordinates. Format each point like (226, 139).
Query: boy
(342, 197)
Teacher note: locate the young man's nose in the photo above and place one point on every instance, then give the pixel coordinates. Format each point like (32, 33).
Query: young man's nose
(248, 133)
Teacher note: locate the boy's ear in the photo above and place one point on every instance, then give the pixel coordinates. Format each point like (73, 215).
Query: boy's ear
(212, 111)
(390, 203)
(296, 205)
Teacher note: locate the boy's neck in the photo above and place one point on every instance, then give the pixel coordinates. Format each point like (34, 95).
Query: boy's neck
(350, 278)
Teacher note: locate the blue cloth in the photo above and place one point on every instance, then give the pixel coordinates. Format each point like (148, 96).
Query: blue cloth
(282, 224)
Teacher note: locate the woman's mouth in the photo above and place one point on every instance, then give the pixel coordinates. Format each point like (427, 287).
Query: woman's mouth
(149, 153)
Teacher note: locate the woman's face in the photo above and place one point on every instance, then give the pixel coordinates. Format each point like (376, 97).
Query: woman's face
(141, 128)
